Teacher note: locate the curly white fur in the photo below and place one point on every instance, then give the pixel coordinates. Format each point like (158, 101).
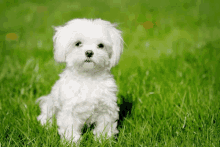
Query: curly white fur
(86, 90)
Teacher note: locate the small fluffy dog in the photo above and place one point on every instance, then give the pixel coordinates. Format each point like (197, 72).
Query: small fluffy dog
(86, 90)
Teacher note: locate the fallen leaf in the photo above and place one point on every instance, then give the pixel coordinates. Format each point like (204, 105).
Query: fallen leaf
(11, 36)
(148, 25)
(41, 9)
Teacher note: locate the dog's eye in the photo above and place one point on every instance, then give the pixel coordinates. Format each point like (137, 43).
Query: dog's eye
(78, 43)
(100, 45)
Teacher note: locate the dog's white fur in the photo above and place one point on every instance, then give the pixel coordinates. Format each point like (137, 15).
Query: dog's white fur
(86, 90)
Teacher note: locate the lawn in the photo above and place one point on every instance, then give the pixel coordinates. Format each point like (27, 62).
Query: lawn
(169, 71)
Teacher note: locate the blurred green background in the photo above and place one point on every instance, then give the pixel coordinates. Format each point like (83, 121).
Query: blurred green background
(193, 22)
(169, 69)
(32, 21)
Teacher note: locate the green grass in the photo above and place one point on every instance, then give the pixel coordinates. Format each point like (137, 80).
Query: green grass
(170, 73)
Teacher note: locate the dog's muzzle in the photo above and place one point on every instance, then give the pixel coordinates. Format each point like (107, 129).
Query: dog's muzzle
(89, 53)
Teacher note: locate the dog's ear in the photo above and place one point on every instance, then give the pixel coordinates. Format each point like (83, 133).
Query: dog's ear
(116, 38)
(117, 47)
(60, 44)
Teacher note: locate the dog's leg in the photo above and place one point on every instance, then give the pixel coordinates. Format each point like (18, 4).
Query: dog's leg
(105, 125)
(69, 126)
(47, 109)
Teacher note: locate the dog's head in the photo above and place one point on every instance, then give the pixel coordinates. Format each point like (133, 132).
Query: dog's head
(88, 44)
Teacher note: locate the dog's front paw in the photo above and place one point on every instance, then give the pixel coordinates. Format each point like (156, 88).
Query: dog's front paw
(43, 119)
(69, 135)
(102, 132)
(76, 138)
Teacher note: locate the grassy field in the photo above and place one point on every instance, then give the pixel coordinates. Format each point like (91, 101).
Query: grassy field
(169, 71)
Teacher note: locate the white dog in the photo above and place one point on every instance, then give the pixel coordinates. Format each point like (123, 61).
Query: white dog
(86, 90)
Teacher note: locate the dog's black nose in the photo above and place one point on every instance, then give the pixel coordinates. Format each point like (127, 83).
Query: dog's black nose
(89, 53)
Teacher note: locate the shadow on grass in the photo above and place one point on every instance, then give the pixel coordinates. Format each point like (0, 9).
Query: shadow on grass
(125, 109)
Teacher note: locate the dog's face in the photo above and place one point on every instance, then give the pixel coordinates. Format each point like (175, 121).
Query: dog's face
(88, 44)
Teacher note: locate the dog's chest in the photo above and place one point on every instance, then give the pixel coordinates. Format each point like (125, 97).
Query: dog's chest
(77, 91)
